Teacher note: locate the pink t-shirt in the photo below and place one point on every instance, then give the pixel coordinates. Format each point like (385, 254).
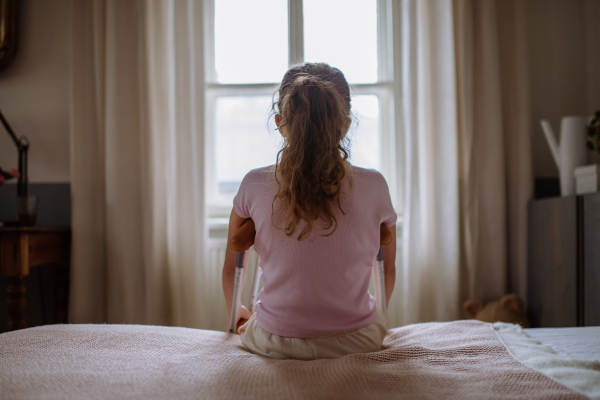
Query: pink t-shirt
(319, 285)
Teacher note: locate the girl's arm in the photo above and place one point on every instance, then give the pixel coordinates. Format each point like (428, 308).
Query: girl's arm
(389, 262)
(235, 222)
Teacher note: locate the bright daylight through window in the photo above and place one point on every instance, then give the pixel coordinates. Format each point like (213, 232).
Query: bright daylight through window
(252, 43)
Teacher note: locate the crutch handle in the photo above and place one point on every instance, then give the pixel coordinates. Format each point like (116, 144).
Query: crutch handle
(244, 237)
(385, 236)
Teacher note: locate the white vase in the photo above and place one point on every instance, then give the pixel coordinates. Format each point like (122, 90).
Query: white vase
(571, 152)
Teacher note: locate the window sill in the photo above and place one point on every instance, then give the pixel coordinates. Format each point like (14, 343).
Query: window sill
(218, 228)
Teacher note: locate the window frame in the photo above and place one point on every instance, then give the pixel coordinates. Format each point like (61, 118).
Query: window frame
(386, 89)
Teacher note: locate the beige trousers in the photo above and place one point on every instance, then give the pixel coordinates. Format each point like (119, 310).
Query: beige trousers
(334, 345)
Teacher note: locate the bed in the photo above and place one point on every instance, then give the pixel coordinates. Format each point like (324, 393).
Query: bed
(453, 360)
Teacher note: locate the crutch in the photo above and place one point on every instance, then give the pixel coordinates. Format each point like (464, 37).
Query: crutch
(385, 237)
(255, 287)
(240, 242)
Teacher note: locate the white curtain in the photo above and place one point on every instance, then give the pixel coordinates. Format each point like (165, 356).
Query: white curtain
(430, 246)
(137, 155)
(467, 155)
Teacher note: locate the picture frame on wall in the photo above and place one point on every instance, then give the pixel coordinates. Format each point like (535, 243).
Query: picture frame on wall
(9, 38)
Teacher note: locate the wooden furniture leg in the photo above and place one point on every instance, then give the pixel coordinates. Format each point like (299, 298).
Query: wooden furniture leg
(25, 247)
(15, 267)
(16, 302)
(62, 294)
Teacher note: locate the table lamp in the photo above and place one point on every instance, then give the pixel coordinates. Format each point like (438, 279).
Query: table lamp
(22, 144)
(26, 204)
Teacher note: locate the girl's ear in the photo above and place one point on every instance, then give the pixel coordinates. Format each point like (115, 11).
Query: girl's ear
(277, 120)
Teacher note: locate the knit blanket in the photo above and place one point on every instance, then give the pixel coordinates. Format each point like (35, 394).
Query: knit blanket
(454, 360)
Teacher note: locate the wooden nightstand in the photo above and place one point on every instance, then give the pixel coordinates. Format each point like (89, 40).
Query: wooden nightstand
(22, 248)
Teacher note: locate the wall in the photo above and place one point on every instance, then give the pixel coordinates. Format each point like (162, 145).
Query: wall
(34, 91)
(564, 38)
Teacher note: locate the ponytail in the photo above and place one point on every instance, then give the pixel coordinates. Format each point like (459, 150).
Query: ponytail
(314, 104)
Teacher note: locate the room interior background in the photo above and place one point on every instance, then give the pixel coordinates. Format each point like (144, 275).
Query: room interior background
(553, 76)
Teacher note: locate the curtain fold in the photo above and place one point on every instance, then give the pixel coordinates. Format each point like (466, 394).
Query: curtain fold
(88, 176)
(137, 160)
(468, 168)
(517, 116)
(430, 226)
(495, 159)
(482, 154)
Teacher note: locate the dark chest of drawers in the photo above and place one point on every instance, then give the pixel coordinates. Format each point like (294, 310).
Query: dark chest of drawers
(564, 261)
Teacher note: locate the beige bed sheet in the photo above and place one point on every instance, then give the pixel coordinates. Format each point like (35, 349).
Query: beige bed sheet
(454, 360)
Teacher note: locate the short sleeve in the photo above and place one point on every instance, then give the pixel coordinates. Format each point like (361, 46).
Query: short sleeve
(241, 201)
(389, 217)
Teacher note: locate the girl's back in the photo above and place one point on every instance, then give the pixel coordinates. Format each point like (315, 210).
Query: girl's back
(318, 285)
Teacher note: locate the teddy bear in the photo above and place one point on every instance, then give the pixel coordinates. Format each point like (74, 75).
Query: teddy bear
(508, 309)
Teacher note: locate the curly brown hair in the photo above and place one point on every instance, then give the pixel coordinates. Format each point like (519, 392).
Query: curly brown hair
(314, 105)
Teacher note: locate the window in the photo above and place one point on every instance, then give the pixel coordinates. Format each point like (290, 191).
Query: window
(250, 45)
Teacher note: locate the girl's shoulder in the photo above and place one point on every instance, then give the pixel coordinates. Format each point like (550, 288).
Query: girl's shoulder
(367, 175)
(364, 171)
(264, 176)
(256, 185)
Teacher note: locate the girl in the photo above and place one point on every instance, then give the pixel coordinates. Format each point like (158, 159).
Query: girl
(317, 229)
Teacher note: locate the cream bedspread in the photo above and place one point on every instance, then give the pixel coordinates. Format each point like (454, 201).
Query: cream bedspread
(454, 360)
(577, 370)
